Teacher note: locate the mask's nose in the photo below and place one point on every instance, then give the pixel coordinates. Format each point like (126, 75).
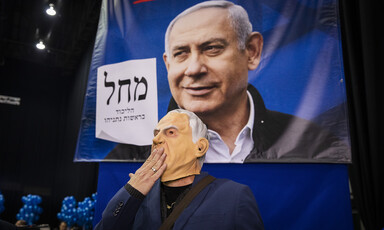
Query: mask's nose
(158, 140)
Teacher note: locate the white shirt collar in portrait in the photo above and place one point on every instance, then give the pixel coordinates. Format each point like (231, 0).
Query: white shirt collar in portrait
(218, 151)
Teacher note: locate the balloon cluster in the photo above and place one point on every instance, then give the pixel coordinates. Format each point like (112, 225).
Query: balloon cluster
(1, 203)
(68, 212)
(85, 211)
(82, 215)
(31, 211)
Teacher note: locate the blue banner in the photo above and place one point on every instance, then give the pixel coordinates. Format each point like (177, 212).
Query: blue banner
(289, 196)
(300, 74)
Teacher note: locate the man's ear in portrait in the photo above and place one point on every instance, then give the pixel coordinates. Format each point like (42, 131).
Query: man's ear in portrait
(254, 48)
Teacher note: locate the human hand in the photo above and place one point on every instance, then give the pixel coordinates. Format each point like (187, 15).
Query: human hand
(152, 169)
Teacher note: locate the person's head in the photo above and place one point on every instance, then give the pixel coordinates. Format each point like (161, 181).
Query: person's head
(63, 225)
(209, 49)
(184, 138)
(21, 223)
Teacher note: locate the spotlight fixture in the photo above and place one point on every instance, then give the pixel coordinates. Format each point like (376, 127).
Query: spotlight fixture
(40, 45)
(51, 11)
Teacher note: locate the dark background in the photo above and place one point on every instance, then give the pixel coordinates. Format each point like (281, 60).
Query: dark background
(38, 138)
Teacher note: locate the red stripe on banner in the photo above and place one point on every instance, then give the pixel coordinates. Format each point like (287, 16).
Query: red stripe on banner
(140, 1)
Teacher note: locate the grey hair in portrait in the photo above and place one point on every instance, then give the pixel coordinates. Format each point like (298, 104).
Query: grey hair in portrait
(237, 15)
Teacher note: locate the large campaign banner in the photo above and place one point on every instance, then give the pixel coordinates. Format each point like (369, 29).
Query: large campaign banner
(299, 80)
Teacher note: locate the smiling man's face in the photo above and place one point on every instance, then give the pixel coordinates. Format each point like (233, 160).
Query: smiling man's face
(206, 71)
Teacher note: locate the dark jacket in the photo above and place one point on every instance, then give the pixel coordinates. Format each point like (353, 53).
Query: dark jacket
(223, 204)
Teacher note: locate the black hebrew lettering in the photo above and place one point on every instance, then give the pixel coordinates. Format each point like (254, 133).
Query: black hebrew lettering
(124, 111)
(144, 81)
(125, 82)
(109, 84)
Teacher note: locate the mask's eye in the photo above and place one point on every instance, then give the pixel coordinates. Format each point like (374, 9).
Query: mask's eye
(171, 132)
(155, 132)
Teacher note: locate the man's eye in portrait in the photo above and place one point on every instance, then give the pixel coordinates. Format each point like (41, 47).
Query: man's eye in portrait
(213, 50)
(180, 55)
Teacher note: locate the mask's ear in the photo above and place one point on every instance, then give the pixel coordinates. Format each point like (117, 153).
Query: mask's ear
(202, 145)
(253, 49)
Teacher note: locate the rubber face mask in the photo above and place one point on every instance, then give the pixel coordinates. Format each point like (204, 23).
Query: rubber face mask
(174, 134)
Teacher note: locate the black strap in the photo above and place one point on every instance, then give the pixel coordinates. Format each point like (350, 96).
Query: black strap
(168, 223)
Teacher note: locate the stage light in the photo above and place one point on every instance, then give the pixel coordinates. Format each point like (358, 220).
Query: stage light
(51, 11)
(40, 45)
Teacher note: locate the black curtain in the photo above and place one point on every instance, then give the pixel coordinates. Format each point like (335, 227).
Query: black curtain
(362, 25)
(38, 138)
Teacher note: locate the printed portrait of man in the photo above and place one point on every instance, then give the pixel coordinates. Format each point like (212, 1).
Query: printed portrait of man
(210, 50)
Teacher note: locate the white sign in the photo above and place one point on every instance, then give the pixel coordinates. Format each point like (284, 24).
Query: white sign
(126, 102)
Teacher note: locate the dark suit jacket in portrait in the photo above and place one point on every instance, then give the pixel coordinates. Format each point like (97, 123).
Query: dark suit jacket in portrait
(223, 204)
(276, 135)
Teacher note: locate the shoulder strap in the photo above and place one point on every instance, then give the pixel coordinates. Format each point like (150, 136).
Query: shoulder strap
(170, 220)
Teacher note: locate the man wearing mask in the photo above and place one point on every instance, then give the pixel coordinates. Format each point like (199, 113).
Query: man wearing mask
(167, 178)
